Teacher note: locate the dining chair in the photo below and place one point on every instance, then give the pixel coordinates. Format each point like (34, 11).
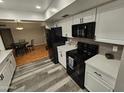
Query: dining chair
(31, 46)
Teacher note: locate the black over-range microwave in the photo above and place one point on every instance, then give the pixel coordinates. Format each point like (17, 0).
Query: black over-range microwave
(86, 30)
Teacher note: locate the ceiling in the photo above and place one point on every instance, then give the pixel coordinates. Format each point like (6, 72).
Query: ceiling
(77, 7)
(26, 9)
(26, 5)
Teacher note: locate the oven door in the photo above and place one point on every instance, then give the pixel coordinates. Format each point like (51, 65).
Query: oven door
(76, 69)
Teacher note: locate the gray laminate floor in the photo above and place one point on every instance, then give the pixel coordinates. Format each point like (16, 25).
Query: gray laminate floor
(43, 76)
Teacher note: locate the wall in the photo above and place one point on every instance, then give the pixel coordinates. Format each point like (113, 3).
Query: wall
(31, 31)
(103, 47)
(1, 44)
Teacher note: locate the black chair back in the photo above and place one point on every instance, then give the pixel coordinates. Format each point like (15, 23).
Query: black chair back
(32, 42)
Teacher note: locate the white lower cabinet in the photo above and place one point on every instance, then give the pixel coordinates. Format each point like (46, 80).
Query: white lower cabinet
(5, 78)
(62, 58)
(7, 71)
(62, 53)
(12, 63)
(94, 84)
(96, 81)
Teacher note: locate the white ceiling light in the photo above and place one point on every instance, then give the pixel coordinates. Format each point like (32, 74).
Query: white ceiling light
(54, 10)
(38, 7)
(17, 20)
(1, 1)
(19, 28)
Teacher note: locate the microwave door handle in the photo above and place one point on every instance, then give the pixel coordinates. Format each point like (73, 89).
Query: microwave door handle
(78, 32)
(82, 32)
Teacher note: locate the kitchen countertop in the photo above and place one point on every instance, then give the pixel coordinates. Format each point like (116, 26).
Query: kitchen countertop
(4, 54)
(107, 66)
(66, 47)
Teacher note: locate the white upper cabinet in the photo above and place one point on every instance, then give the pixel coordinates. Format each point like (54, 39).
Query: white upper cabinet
(110, 23)
(66, 25)
(69, 27)
(77, 19)
(85, 17)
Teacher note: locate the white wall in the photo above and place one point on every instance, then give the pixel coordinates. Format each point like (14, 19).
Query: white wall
(31, 31)
(1, 44)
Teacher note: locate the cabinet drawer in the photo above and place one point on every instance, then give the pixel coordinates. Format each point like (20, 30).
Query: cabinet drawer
(94, 84)
(109, 80)
(5, 78)
(2, 65)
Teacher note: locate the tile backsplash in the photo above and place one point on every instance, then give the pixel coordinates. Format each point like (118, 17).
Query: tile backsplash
(103, 47)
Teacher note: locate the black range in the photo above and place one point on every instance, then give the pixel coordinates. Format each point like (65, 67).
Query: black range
(76, 59)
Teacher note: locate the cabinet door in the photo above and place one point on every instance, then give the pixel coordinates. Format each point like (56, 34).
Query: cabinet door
(109, 24)
(63, 23)
(12, 63)
(93, 84)
(90, 18)
(5, 79)
(69, 27)
(77, 19)
(60, 56)
(85, 17)
(64, 58)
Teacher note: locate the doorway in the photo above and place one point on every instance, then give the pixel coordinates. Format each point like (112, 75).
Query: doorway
(29, 44)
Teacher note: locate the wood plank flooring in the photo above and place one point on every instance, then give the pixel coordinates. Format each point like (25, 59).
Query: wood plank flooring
(38, 53)
(43, 76)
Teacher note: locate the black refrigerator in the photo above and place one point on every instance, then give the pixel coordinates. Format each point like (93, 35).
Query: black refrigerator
(54, 39)
(7, 37)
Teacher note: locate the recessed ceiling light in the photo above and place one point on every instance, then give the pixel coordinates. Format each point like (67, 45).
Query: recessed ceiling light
(1, 1)
(54, 10)
(38, 7)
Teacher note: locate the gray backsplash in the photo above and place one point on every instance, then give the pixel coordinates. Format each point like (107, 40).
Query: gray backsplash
(103, 47)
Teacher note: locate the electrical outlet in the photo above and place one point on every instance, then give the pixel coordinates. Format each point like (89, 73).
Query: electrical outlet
(115, 48)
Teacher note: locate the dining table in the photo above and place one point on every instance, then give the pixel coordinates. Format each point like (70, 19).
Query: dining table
(20, 48)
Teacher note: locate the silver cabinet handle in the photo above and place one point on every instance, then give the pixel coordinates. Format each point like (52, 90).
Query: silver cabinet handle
(7, 59)
(80, 20)
(61, 55)
(1, 77)
(66, 35)
(98, 74)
